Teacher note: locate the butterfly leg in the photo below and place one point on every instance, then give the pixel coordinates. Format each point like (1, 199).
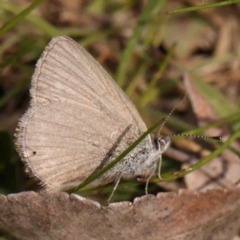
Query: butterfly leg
(159, 167)
(116, 182)
(148, 179)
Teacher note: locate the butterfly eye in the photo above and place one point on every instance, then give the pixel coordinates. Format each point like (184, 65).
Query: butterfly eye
(161, 142)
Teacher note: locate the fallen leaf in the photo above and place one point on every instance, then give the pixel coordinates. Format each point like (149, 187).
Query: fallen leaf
(221, 172)
(212, 214)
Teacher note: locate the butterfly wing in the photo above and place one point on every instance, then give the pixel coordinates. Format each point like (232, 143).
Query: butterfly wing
(77, 114)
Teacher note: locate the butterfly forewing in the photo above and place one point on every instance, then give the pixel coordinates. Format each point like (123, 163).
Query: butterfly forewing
(77, 116)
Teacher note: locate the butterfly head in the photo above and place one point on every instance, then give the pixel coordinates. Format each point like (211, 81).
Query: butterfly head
(162, 143)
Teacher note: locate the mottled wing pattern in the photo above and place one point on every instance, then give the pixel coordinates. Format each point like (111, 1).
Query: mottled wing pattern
(77, 113)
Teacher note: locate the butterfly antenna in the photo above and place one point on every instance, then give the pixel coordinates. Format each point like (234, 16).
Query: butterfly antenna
(169, 115)
(197, 136)
(184, 135)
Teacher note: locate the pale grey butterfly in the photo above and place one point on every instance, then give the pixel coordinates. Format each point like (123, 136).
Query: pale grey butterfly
(80, 120)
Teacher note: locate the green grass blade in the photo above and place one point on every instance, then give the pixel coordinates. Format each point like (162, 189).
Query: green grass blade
(149, 95)
(137, 78)
(204, 6)
(126, 56)
(94, 37)
(170, 176)
(24, 48)
(19, 17)
(154, 33)
(115, 161)
(40, 23)
(14, 91)
(222, 105)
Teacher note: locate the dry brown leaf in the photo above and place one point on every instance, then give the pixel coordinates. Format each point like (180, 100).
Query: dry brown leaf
(200, 106)
(213, 214)
(222, 171)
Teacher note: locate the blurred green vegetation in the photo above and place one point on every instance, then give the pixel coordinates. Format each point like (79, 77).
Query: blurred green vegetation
(135, 66)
